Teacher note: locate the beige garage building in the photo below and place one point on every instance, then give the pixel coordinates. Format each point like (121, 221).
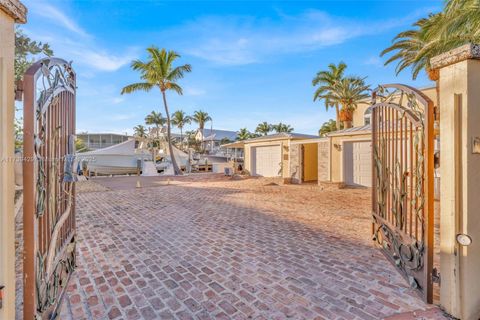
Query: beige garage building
(269, 156)
(344, 156)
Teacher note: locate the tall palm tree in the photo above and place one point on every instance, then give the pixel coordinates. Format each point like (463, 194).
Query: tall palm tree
(180, 119)
(281, 127)
(140, 131)
(348, 93)
(159, 72)
(201, 118)
(263, 128)
(326, 81)
(243, 134)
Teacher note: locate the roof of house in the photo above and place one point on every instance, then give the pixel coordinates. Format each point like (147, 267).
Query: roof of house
(209, 134)
(270, 137)
(281, 136)
(100, 133)
(351, 131)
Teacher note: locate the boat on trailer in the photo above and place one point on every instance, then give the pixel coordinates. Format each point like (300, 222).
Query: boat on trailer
(124, 158)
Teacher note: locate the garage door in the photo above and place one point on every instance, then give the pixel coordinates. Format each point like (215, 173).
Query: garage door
(266, 161)
(358, 163)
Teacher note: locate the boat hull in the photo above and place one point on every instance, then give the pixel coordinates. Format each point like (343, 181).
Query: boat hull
(114, 164)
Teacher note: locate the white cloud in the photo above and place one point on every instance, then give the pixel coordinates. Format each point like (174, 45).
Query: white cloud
(122, 116)
(74, 43)
(118, 100)
(56, 16)
(240, 40)
(102, 60)
(191, 91)
(374, 61)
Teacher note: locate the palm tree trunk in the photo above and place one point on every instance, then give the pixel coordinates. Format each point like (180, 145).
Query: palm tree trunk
(176, 169)
(337, 121)
(201, 124)
(181, 136)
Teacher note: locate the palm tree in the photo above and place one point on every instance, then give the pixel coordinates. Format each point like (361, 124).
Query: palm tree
(156, 119)
(180, 119)
(243, 134)
(327, 127)
(414, 48)
(281, 127)
(462, 20)
(457, 24)
(158, 72)
(263, 128)
(326, 81)
(201, 118)
(140, 131)
(348, 93)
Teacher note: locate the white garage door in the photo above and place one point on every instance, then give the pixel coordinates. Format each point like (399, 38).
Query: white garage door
(266, 161)
(358, 163)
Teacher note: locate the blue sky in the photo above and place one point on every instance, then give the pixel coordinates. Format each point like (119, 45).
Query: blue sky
(252, 61)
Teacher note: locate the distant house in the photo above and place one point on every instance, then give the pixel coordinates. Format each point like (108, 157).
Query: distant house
(212, 138)
(94, 141)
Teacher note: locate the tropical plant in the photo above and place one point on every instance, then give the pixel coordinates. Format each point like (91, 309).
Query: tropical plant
(457, 24)
(156, 119)
(18, 129)
(263, 128)
(140, 131)
(348, 93)
(191, 140)
(180, 119)
(200, 117)
(327, 127)
(225, 141)
(80, 146)
(243, 134)
(159, 72)
(25, 48)
(281, 127)
(326, 81)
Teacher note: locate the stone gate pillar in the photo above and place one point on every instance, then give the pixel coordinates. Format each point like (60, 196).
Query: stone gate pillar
(460, 180)
(11, 11)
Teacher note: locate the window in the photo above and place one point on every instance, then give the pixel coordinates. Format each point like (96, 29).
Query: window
(367, 116)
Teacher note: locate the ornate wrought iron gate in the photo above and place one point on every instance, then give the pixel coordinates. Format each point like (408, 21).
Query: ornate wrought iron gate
(402, 199)
(49, 192)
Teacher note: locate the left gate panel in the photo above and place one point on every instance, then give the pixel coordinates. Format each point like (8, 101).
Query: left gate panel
(48, 182)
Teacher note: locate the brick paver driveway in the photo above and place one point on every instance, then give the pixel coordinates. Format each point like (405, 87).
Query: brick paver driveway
(213, 247)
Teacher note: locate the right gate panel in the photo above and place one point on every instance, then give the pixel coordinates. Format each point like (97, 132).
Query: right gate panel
(402, 185)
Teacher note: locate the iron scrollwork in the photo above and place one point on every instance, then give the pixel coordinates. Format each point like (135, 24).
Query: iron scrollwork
(54, 192)
(398, 186)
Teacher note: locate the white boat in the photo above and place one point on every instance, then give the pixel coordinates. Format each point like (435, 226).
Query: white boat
(122, 158)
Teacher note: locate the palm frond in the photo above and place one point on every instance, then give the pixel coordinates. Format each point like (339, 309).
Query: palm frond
(140, 86)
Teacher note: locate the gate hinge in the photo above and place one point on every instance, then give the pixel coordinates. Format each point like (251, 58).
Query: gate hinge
(436, 276)
(1, 296)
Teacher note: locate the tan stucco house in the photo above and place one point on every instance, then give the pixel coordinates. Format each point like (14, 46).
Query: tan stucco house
(344, 156)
